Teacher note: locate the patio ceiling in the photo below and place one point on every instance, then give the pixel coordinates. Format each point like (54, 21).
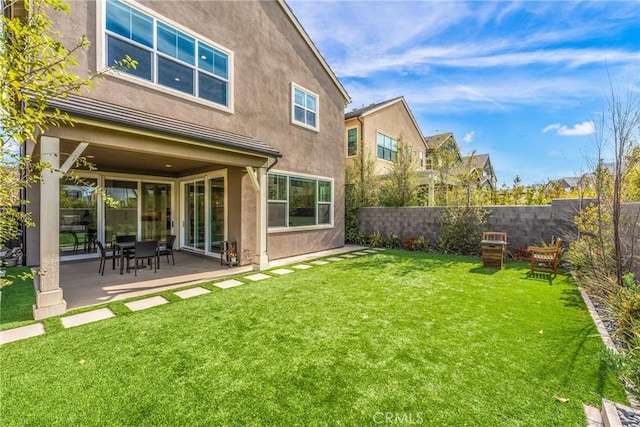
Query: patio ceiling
(107, 159)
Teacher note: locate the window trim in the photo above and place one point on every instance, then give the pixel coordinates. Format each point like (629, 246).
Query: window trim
(356, 151)
(101, 56)
(391, 158)
(318, 179)
(295, 86)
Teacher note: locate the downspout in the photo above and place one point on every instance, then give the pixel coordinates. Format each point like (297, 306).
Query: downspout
(361, 157)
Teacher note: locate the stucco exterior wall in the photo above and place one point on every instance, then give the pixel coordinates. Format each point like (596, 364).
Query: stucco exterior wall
(393, 121)
(269, 55)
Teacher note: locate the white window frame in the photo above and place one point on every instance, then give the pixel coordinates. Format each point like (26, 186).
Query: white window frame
(286, 227)
(101, 56)
(295, 86)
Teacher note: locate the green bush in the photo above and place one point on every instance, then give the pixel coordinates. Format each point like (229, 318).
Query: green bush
(376, 240)
(393, 241)
(461, 230)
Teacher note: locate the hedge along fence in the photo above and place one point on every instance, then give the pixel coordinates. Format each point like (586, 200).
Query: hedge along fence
(524, 225)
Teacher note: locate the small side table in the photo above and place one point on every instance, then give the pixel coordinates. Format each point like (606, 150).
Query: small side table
(492, 253)
(228, 253)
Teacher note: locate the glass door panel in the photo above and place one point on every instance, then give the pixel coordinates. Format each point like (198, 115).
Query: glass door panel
(156, 211)
(78, 216)
(216, 225)
(194, 204)
(121, 217)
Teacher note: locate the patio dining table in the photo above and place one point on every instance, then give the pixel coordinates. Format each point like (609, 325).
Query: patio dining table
(122, 247)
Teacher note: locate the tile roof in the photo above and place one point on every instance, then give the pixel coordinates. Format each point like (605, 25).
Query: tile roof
(435, 141)
(77, 106)
(363, 110)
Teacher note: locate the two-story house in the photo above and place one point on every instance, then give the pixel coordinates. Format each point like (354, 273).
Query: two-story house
(209, 138)
(377, 130)
(480, 165)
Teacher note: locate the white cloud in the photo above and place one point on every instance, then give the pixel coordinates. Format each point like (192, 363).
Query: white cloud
(579, 129)
(469, 137)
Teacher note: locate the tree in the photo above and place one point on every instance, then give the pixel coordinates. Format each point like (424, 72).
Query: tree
(35, 67)
(400, 186)
(361, 189)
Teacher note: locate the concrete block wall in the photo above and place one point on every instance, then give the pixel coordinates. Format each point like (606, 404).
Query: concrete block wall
(524, 225)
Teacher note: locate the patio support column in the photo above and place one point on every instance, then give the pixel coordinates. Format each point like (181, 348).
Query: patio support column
(260, 184)
(49, 301)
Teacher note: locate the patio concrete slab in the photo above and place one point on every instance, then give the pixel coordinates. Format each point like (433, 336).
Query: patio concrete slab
(21, 333)
(88, 317)
(192, 292)
(319, 262)
(348, 256)
(257, 277)
(335, 258)
(301, 266)
(226, 284)
(282, 271)
(146, 303)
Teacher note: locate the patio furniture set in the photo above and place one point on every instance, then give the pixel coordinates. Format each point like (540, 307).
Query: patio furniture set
(127, 248)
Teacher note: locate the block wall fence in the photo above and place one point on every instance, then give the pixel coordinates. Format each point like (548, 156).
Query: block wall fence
(524, 225)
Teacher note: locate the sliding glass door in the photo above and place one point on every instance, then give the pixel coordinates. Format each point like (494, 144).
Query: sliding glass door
(204, 218)
(155, 216)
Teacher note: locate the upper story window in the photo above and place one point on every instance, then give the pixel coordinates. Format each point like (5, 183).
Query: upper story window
(421, 159)
(387, 147)
(352, 142)
(305, 107)
(165, 55)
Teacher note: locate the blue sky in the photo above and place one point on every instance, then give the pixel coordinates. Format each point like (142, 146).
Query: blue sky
(525, 81)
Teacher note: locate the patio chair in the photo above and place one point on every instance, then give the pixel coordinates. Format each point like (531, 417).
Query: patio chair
(104, 256)
(545, 259)
(144, 250)
(167, 248)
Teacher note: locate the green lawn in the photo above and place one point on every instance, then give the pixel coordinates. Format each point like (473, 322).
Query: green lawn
(432, 339)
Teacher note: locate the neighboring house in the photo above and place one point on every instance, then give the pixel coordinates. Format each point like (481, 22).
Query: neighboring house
(378, 128)
(570, 183)
(229, 129)
(480, 165)
(442, 160)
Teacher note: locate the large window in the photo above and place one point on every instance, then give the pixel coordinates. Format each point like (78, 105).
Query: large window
(298, 202)
(165, 55)
(387, 147)
(305, 107)
(352, 142)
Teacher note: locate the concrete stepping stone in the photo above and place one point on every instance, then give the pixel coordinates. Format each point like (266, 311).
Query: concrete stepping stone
(193, 292)
(370, 251)
(301, 266)
(348, 256)
(146, 303)
(335, 258)
(21, 333)
(257, 277)
(88, 317)
(379, 249)
(282, 271)
(228, 284)
(359, 253)
(319, 262)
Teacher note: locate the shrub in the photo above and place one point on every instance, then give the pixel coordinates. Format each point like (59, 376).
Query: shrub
(521, 254)
(461, 230)
(376, 240)
(422, 244)
(393, 241)
(409, 244)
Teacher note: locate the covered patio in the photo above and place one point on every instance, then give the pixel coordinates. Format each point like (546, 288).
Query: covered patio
(84, 286)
